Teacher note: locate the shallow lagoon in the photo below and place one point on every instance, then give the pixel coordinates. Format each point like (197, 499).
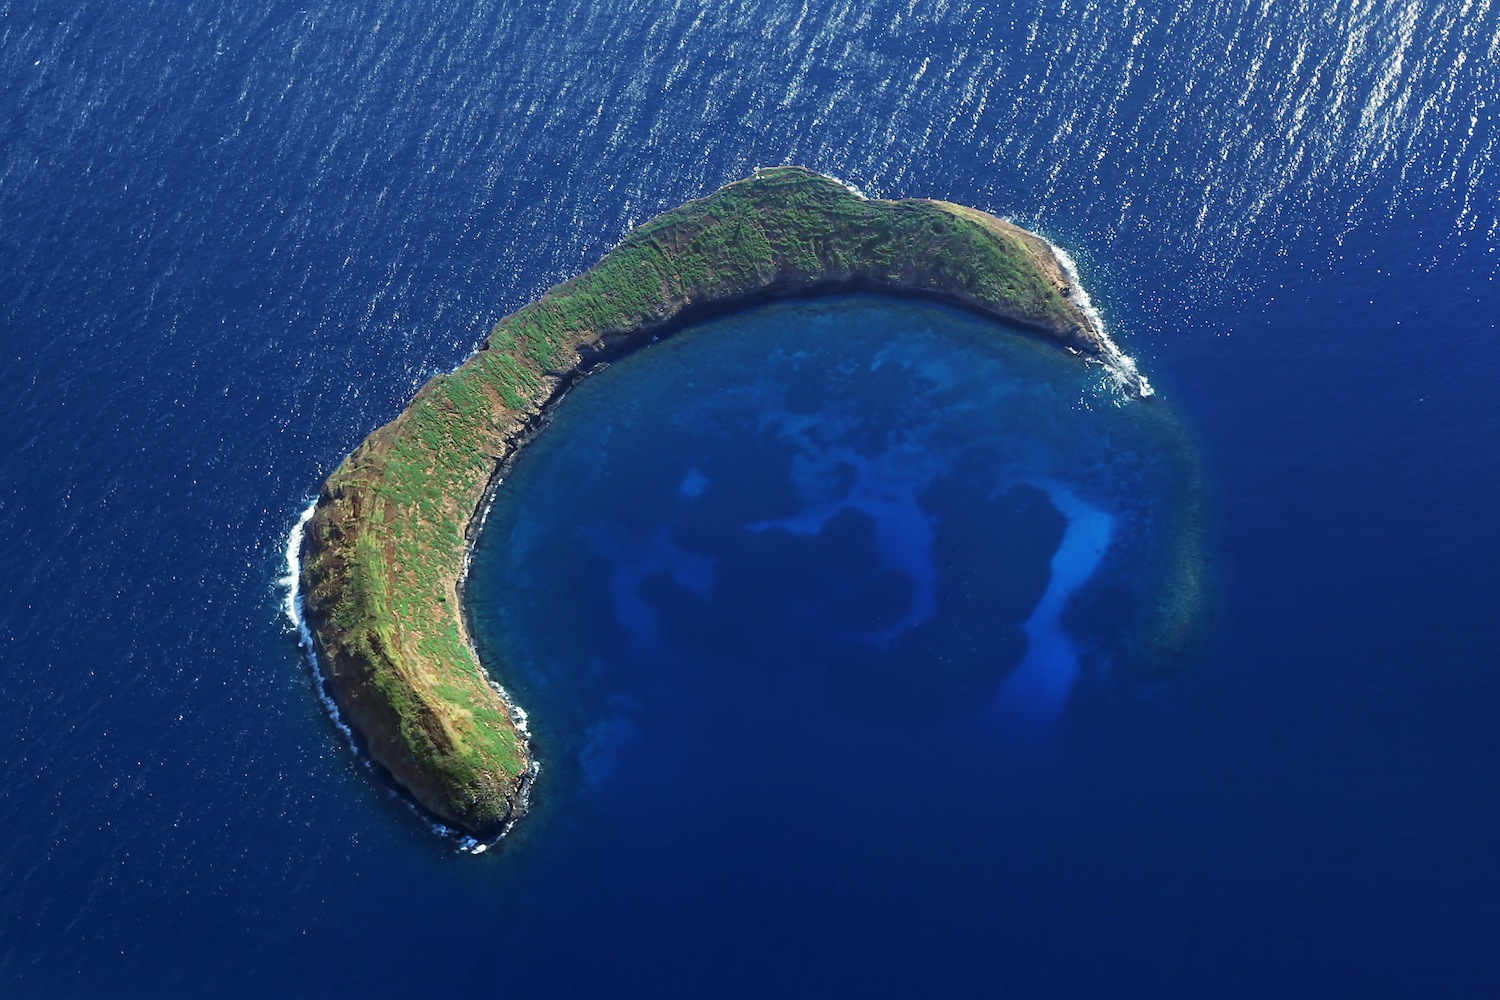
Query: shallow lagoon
(802, 590)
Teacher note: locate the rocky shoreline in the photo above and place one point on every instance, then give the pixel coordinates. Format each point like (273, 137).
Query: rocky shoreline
(388, 545)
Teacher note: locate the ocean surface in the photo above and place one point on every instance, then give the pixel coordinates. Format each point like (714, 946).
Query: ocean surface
(233, 240)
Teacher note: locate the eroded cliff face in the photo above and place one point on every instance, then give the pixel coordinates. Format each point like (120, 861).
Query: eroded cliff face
(695, 304)
(385, 552)
(370, 676)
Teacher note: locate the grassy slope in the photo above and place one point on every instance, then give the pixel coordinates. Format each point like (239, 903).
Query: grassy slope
(386, 546)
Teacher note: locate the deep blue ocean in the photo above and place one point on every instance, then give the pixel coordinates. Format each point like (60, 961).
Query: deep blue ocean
(234, 239)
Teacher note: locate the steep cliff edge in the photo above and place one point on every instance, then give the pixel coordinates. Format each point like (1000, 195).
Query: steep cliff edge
(385, 550)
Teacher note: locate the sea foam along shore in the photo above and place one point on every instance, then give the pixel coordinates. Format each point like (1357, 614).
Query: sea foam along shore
(1125, 375)
(292, 608)
(385, 550)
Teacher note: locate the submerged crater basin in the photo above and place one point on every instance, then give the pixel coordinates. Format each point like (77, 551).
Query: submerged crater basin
(830, 515)
(385, 550)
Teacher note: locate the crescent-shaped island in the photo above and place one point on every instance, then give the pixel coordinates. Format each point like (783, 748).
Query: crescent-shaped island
(386, 548)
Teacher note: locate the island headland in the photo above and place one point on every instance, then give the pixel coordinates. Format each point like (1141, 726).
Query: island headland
(386, 548)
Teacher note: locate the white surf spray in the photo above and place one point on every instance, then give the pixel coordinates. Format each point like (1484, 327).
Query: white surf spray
(294, 607)
(1123, 372)
(851, 188)
(1038, 689)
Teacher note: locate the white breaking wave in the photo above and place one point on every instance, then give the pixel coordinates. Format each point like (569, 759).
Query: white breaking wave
(293, 606)
(1121, 366)
(851, 188)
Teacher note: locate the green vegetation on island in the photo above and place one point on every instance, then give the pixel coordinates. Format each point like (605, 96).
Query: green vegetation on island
(384, 553)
